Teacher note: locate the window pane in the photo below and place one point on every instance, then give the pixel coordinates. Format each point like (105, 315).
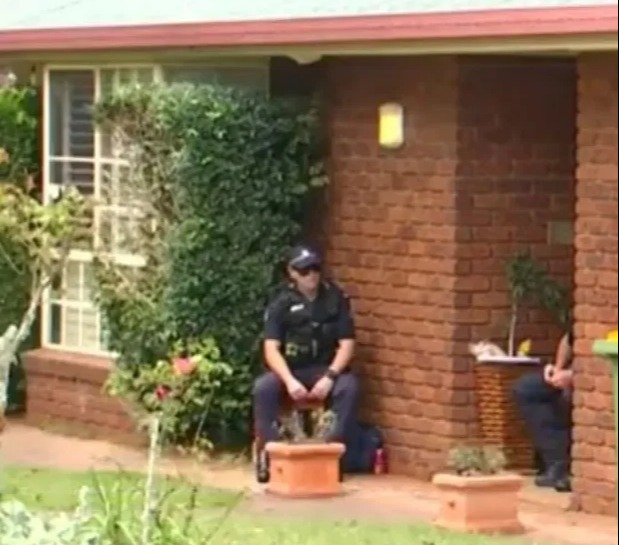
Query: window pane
(128, 232)
(72, 283)
(56, 288)
(111, 79)
(87, 282)
(243, 78)
(55, 324)
(71, 326)
(104, 334)
(145, 76)
(115, 188)
(71, 99)
(74, 320)
(90, 330)
(71, 173)
(189, 74)
(119, 230)
(107, 81)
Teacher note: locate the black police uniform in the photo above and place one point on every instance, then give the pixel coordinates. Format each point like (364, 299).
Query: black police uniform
(309, 333)
(547, 414)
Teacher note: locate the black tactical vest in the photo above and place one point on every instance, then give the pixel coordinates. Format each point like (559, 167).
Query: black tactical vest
(310, 328)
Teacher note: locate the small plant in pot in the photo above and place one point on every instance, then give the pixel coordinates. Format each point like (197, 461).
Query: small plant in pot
(528, 282)
(304, 463)
(477, 495)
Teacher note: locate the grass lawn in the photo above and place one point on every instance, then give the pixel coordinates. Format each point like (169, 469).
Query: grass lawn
(53, 490)
(240, 530)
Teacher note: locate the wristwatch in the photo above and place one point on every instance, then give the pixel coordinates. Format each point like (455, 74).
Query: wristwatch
(331, 374)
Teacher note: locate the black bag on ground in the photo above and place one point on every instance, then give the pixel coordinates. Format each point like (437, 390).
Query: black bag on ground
(363, 443)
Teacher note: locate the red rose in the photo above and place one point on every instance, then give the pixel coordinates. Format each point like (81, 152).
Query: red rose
(162, 392)
(183, 366)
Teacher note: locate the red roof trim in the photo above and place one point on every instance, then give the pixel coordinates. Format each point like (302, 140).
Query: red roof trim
(479, 24)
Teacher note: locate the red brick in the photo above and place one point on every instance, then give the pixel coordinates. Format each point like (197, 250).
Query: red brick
(595, 281)
(67, 387)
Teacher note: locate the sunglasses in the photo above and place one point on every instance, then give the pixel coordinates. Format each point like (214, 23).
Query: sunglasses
(306, 271)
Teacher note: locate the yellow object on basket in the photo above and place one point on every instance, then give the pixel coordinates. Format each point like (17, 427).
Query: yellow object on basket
(524, 348)
(612, 336)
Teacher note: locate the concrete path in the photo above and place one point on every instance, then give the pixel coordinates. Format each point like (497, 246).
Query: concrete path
(385, 498)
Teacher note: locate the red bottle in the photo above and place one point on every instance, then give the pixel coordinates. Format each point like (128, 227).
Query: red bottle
(380, 462)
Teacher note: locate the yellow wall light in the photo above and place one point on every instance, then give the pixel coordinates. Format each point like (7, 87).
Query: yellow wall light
(390, 125)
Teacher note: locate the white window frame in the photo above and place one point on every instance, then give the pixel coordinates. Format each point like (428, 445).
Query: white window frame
(84, 256)
(79, 256)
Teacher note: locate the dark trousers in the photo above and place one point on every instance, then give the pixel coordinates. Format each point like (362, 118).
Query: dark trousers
(547, 415)
(269, 391)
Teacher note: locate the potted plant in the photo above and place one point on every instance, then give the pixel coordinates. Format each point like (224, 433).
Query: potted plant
(477, 495)
(497, 370)
(304, 464)
(528, 282)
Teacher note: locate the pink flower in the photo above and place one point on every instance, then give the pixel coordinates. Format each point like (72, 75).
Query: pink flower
(162, 392)
(183, 366)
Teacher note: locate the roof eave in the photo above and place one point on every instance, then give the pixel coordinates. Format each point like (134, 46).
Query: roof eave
(380, 28)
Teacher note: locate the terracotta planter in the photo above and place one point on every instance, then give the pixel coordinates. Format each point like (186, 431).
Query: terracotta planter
(485, 504)
(307, 470)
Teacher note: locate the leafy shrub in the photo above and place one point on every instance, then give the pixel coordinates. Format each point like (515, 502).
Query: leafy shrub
(179, 389)
(225, 174)
(19, 164)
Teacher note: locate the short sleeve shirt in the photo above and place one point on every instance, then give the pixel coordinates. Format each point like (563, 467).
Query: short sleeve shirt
(274, 318)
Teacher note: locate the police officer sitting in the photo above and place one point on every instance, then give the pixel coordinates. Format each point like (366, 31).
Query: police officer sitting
(544, 400)
(309, 342)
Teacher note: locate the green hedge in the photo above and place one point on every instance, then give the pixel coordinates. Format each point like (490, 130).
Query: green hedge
(244, 165)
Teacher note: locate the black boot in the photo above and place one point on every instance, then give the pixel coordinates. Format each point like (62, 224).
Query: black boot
(540, 466)
(563, 484)
(556, 476)
(262, 467)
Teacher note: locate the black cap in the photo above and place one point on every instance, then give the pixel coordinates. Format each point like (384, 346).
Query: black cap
(303, 256)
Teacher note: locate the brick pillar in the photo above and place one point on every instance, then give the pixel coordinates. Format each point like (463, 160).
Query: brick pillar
(594, 467)
(391, 224)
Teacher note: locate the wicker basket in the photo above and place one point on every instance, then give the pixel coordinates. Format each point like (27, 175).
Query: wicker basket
(499, 419)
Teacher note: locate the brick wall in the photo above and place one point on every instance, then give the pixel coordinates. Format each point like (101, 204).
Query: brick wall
(516, 148)
(419, 235)
(391, 226)
(65, 390)
(595, 465)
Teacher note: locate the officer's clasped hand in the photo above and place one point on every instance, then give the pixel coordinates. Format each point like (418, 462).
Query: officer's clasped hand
(557, 378)
(296, 390)
(548, 372)
(322, 388)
